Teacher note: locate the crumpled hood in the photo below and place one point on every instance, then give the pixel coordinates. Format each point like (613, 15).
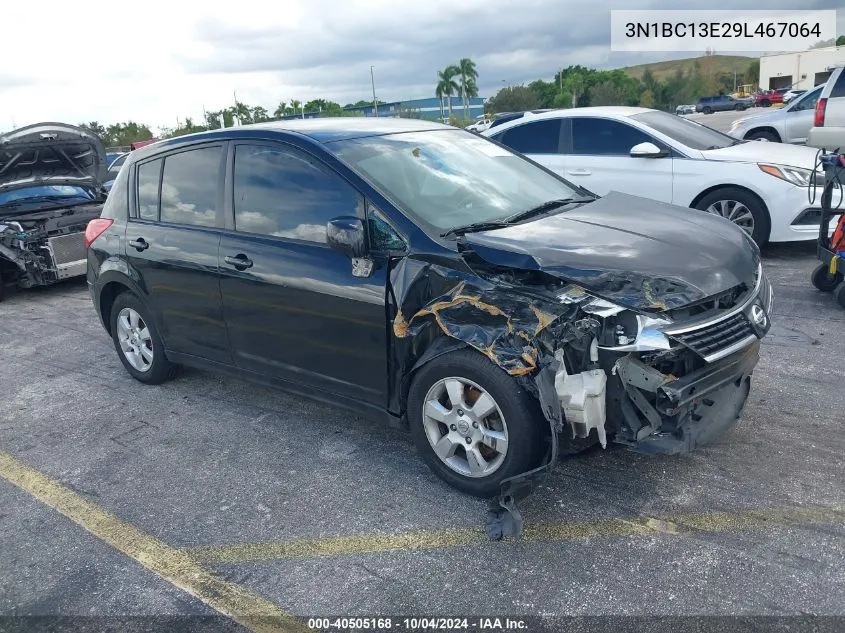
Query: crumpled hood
(764, 152)
(637, 252)
(51, 154)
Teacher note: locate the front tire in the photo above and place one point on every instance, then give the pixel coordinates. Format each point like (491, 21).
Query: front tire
(137, 341)
(473, 424)
(740, 207)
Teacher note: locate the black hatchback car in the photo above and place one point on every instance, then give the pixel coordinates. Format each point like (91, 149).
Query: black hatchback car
(418, 272)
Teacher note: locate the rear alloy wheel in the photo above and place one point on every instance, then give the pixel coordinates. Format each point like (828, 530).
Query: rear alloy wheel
(137, 341)
(473, 424)
(740, 207)
(823, 280)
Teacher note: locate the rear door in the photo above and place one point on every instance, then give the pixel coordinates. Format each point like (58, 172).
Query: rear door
(172, 242)
(294, 310)
(540, 140)
(599, 159)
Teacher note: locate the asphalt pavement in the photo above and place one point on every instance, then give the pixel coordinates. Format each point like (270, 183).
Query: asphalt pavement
(209, 495)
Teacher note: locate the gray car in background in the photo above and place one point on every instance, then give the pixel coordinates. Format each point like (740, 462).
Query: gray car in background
(789, 124)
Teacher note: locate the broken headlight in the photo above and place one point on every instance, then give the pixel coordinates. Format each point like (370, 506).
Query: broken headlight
(623, 330)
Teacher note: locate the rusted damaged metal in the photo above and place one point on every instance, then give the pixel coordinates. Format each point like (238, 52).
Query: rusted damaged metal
(505, 338)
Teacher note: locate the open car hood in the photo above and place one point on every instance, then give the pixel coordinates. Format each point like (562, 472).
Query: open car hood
(636, 252)
(51, 154)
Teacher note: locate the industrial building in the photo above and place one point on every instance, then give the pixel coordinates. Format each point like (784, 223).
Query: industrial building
(425, 108)
(802, 70)
(428, 108)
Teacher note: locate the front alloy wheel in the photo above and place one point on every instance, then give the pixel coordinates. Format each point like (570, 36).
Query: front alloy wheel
(736, 212)
(465, 427)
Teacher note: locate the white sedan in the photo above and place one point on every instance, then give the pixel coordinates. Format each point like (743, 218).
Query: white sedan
(762, 187)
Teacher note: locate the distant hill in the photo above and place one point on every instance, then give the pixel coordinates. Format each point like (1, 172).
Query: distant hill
(664, 70)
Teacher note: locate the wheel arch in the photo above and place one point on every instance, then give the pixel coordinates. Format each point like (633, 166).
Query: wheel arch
(750, 192)
(763, 128)
(112, 284)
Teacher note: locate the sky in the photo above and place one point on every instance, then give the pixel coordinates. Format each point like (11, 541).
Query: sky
(159, 61)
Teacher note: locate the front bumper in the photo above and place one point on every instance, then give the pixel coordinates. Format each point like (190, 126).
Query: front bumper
(700, 407)
(795, 215)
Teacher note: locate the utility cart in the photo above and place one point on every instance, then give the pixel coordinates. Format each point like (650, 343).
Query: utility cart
(828, 276)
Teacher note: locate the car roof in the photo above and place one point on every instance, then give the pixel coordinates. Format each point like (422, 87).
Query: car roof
(321, 130)
(600, 111)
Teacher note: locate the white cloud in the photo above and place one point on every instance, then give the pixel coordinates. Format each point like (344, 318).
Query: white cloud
(155, 61)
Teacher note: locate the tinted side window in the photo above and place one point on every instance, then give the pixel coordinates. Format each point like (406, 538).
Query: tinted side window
(838, 89)
(383, 237)
(283, 193)
(806, 101)
(603, 137)
(537, 137)
(189, 187)
(149, 176)
(117, 202)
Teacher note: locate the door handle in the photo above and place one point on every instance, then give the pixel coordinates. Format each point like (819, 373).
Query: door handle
(140, 244)
(239, 261)
(579, 172)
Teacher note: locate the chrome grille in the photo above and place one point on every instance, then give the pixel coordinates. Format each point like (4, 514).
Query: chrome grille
(717, 339)
(67, 248)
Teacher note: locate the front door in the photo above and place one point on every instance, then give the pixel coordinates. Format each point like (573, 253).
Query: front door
(800, 117)
(172, 243)
(293, 308)
(599, 159)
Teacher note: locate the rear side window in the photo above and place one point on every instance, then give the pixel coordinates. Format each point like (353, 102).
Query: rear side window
(189, 187)
(283, 193)
(149, 179)
(117, 202)
(838, 89)
(537, 137)
(604, 137)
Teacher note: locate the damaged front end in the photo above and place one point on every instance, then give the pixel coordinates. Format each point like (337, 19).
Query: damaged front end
(50, 188)
(654, 377)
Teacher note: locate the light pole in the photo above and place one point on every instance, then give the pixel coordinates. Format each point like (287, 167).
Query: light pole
(373, 80)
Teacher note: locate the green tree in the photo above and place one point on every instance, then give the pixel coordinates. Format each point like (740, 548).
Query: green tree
(647, 99)
(260, 114)
(752, 73)
(840, 41)
(119, 134)
(446, 84)
(514, 99)
(468, 75)
(96, 129)
(281, 110)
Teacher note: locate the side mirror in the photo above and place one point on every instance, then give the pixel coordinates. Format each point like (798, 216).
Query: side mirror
(647, 150)
(346, 234)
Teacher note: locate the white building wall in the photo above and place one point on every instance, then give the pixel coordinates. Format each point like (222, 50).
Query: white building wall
(799, 70)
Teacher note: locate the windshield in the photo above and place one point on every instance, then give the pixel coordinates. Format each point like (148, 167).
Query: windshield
(48, 191)
(452, 178)
(686, 132)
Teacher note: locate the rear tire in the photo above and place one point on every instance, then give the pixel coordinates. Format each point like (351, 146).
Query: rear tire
(765, 103)
(137, 341)
(436, 421)
(823, 280)
(763, 134)
(733, 198)
(707, 110)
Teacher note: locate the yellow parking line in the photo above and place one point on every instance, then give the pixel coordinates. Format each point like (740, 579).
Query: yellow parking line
(175, 566)
(436, 539)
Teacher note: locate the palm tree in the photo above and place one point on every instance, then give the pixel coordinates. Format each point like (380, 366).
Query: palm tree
(468, 73)
(446, 84)
(281, 110)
